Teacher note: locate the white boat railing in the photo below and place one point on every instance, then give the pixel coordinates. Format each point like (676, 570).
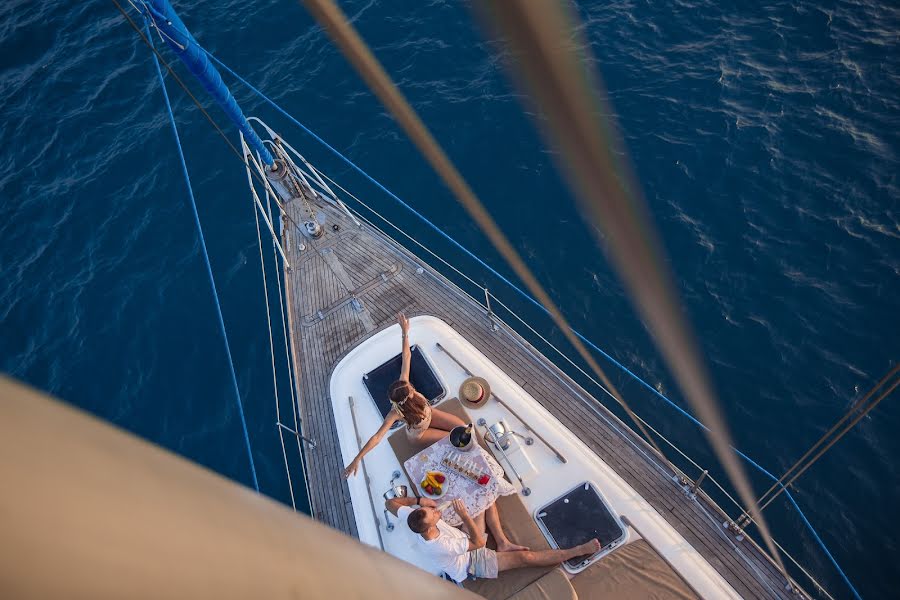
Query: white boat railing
(691, 486)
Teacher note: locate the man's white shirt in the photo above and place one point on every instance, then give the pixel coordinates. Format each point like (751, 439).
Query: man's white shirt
(447, 553)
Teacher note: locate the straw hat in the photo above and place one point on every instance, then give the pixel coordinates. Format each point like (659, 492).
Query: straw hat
(474, 392)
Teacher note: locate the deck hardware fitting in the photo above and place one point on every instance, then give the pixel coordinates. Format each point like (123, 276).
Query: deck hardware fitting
(526, 491)
(696, 484)
(744, 520)
(419, 271)
(735, 529)
(507, 407)
(313, 229)
(400, 491)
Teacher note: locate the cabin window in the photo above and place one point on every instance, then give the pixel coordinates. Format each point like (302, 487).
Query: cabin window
(421, 375)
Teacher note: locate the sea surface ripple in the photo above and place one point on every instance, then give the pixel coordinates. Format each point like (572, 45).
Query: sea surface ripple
(765, 136)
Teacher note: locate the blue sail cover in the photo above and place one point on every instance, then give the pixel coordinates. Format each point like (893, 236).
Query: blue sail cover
(183, 44)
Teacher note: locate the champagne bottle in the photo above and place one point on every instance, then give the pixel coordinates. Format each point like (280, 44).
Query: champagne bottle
(461, 437)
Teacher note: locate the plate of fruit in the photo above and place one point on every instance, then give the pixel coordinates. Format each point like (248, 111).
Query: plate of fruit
(434, 485)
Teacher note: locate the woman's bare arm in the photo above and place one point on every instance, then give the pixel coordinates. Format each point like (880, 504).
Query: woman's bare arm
(389, 420)
(406, 353)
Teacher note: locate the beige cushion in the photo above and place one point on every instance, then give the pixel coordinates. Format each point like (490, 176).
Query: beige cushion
(633, 572)
(552, 586)
(520, 528)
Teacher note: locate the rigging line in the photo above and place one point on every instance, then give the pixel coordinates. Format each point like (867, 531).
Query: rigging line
(212, 281)
(832, 442)
(825, 548)
(148, 42)
(553, 66)
(159, 58)
(522, 293)
(853, 408)
(255, 204)
(806, 522)
(360, 56)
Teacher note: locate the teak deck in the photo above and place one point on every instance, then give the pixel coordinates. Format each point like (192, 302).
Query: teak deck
(353, 281)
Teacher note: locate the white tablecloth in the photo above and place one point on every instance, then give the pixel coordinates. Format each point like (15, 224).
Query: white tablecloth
(476, 497)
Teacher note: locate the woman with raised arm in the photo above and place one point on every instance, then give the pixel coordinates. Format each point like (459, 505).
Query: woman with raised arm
(424, 425)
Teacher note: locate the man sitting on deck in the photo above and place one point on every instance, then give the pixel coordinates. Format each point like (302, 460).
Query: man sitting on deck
(462, 553)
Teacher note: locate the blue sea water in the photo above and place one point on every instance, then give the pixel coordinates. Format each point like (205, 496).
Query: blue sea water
(765, 136)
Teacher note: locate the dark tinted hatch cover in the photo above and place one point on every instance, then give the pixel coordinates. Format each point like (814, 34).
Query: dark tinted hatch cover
(578, 516)
(421, 376)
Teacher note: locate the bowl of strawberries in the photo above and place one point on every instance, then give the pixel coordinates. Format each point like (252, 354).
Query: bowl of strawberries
(434, 485)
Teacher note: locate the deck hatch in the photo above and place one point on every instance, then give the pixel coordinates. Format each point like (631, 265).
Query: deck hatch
(578, 516)
(421, 375)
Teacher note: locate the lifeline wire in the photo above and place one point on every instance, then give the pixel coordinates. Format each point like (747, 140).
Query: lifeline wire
(254, 202)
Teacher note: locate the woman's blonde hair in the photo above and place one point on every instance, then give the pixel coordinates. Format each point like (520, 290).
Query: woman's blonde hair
(408, 401)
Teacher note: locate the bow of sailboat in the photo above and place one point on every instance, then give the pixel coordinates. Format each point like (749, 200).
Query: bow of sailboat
(342, 273)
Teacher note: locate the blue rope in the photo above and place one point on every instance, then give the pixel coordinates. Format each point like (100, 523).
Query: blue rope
(527, 297)
(212, 281)
(824, 548)
(806, 522)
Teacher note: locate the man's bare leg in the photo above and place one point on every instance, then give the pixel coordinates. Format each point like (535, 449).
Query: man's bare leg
(492, 518)
(543, 558)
